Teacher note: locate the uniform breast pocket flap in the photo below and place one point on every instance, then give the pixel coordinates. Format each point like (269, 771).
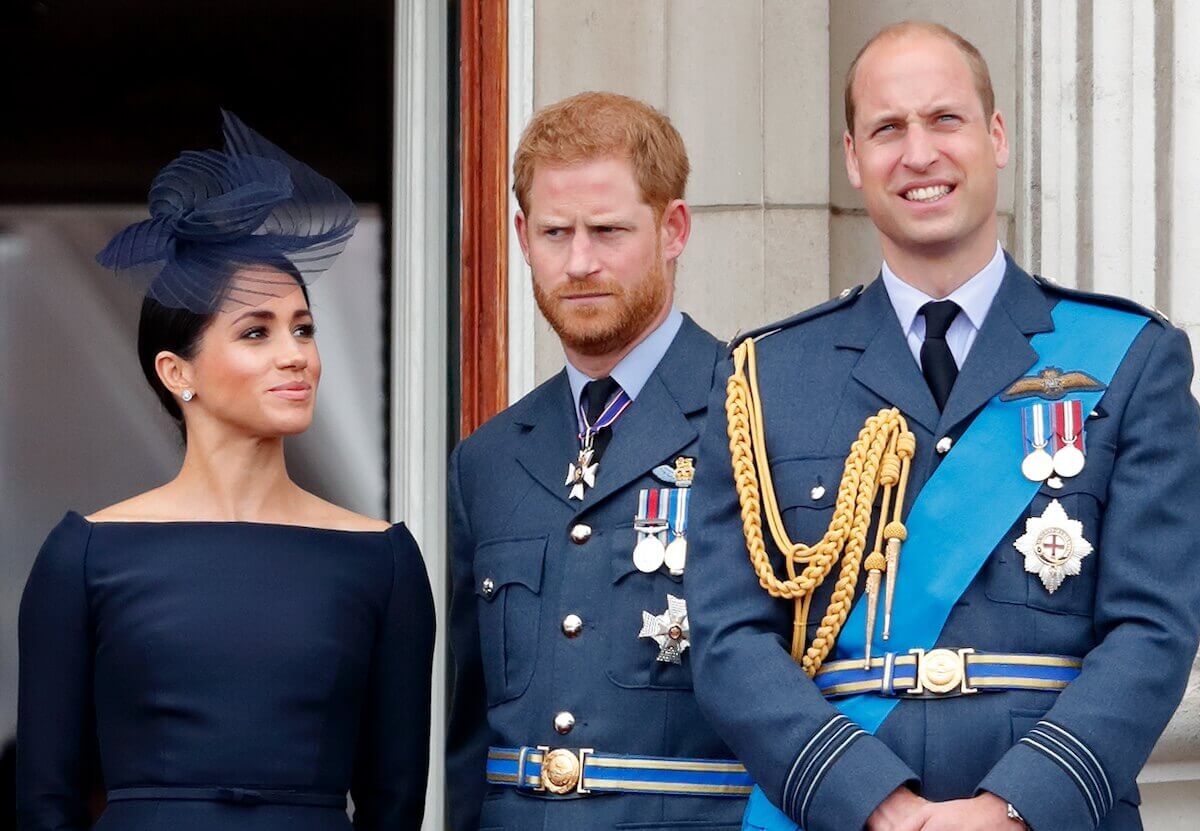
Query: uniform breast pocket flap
(508, 585)
(806, 491)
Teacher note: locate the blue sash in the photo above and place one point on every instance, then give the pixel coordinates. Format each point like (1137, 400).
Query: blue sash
(948, 516)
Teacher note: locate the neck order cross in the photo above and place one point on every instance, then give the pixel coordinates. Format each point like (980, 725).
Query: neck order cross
(581, 474)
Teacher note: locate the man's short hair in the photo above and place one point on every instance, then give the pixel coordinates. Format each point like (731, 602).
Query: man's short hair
(979, 67)
(596, 125)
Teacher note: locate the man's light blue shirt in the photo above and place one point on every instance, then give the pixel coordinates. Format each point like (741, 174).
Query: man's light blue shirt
(974, 297)
(633, 371)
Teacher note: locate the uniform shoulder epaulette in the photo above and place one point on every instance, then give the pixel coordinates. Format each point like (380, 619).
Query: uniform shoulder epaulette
(845, 298)
(1111, 300)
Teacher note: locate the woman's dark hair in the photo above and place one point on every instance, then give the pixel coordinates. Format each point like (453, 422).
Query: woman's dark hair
(166, 328)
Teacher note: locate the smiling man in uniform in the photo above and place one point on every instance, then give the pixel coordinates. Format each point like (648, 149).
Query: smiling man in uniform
(968, 498)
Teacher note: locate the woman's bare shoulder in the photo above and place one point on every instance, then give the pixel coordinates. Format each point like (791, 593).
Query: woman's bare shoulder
(326, 514)
(151, 506)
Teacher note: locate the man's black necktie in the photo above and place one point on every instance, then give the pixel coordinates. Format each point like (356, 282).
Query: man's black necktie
(597, 394)
(937, 362)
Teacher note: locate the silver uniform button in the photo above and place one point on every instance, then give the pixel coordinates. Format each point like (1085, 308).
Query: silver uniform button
(572, 625)
(581, 533)
(488, 586)
(564, 722)
(944, 444)
(817, 492)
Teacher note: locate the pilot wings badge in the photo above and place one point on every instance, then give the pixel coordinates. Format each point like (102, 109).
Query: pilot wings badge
(1052, 384)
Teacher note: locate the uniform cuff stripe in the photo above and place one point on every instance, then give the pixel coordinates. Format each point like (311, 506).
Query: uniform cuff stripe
(833, 757)
(801, 757)
(1077, 764)
(1096, 766)
(815, 759)
(1035, 744)
(811, 765)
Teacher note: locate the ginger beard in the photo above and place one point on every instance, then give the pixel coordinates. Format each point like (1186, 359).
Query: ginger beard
(603, 328)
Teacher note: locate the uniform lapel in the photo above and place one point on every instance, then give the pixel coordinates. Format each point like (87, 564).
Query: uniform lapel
(1001, 353)
(887, 366)
(550, 436)
(656, 425)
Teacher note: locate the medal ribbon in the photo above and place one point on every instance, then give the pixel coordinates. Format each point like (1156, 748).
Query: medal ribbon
(679, 512)
(654, 504)
(1067, 423)
(612, 411)
(1033, 428)
(663, 511)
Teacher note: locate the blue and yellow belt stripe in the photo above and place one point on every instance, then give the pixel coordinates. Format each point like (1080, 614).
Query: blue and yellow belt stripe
(895, 674)
(521, 767)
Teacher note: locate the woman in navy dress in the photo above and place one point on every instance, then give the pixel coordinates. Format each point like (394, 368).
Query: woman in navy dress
(227, 651)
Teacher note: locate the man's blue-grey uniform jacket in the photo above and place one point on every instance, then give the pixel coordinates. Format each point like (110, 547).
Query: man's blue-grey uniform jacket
(515, 669)
(1133, 613)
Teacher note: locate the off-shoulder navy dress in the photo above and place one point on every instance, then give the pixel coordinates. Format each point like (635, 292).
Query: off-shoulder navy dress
(227, 677)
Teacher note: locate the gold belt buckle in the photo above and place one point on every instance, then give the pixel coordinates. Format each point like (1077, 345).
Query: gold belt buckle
(562, 770)
(941, 672)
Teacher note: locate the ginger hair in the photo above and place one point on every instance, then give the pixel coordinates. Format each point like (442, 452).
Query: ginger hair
(597, 125)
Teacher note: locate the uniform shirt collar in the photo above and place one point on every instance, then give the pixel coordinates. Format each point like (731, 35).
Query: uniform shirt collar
(634, 370)
(974, 297)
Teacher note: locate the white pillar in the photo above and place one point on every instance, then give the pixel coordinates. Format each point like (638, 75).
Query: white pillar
(1025, 246)
(1123, 149)
(419, 325)
(522, 310)
(1183, 296)
(1059, 137)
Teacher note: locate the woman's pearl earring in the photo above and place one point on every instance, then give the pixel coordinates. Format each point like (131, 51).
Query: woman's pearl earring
(187, 395)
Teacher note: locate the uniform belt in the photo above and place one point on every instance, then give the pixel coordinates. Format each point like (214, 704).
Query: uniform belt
(567, 772)
(946, 673)
(240, 796)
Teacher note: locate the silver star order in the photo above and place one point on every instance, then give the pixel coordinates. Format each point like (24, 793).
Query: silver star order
(669, 630)
(1053, 546)
(582, 473)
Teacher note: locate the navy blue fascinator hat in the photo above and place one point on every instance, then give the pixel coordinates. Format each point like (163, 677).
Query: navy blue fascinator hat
(233, 228)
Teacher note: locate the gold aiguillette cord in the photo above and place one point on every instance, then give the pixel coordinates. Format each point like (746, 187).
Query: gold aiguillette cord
(880, 456)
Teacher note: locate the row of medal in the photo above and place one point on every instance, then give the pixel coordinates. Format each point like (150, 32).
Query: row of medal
(1053, 437)
(661, 525)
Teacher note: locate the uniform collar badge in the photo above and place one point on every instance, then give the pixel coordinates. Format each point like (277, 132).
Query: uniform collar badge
(1052, 384)
(1053, 546)
(669, 630)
